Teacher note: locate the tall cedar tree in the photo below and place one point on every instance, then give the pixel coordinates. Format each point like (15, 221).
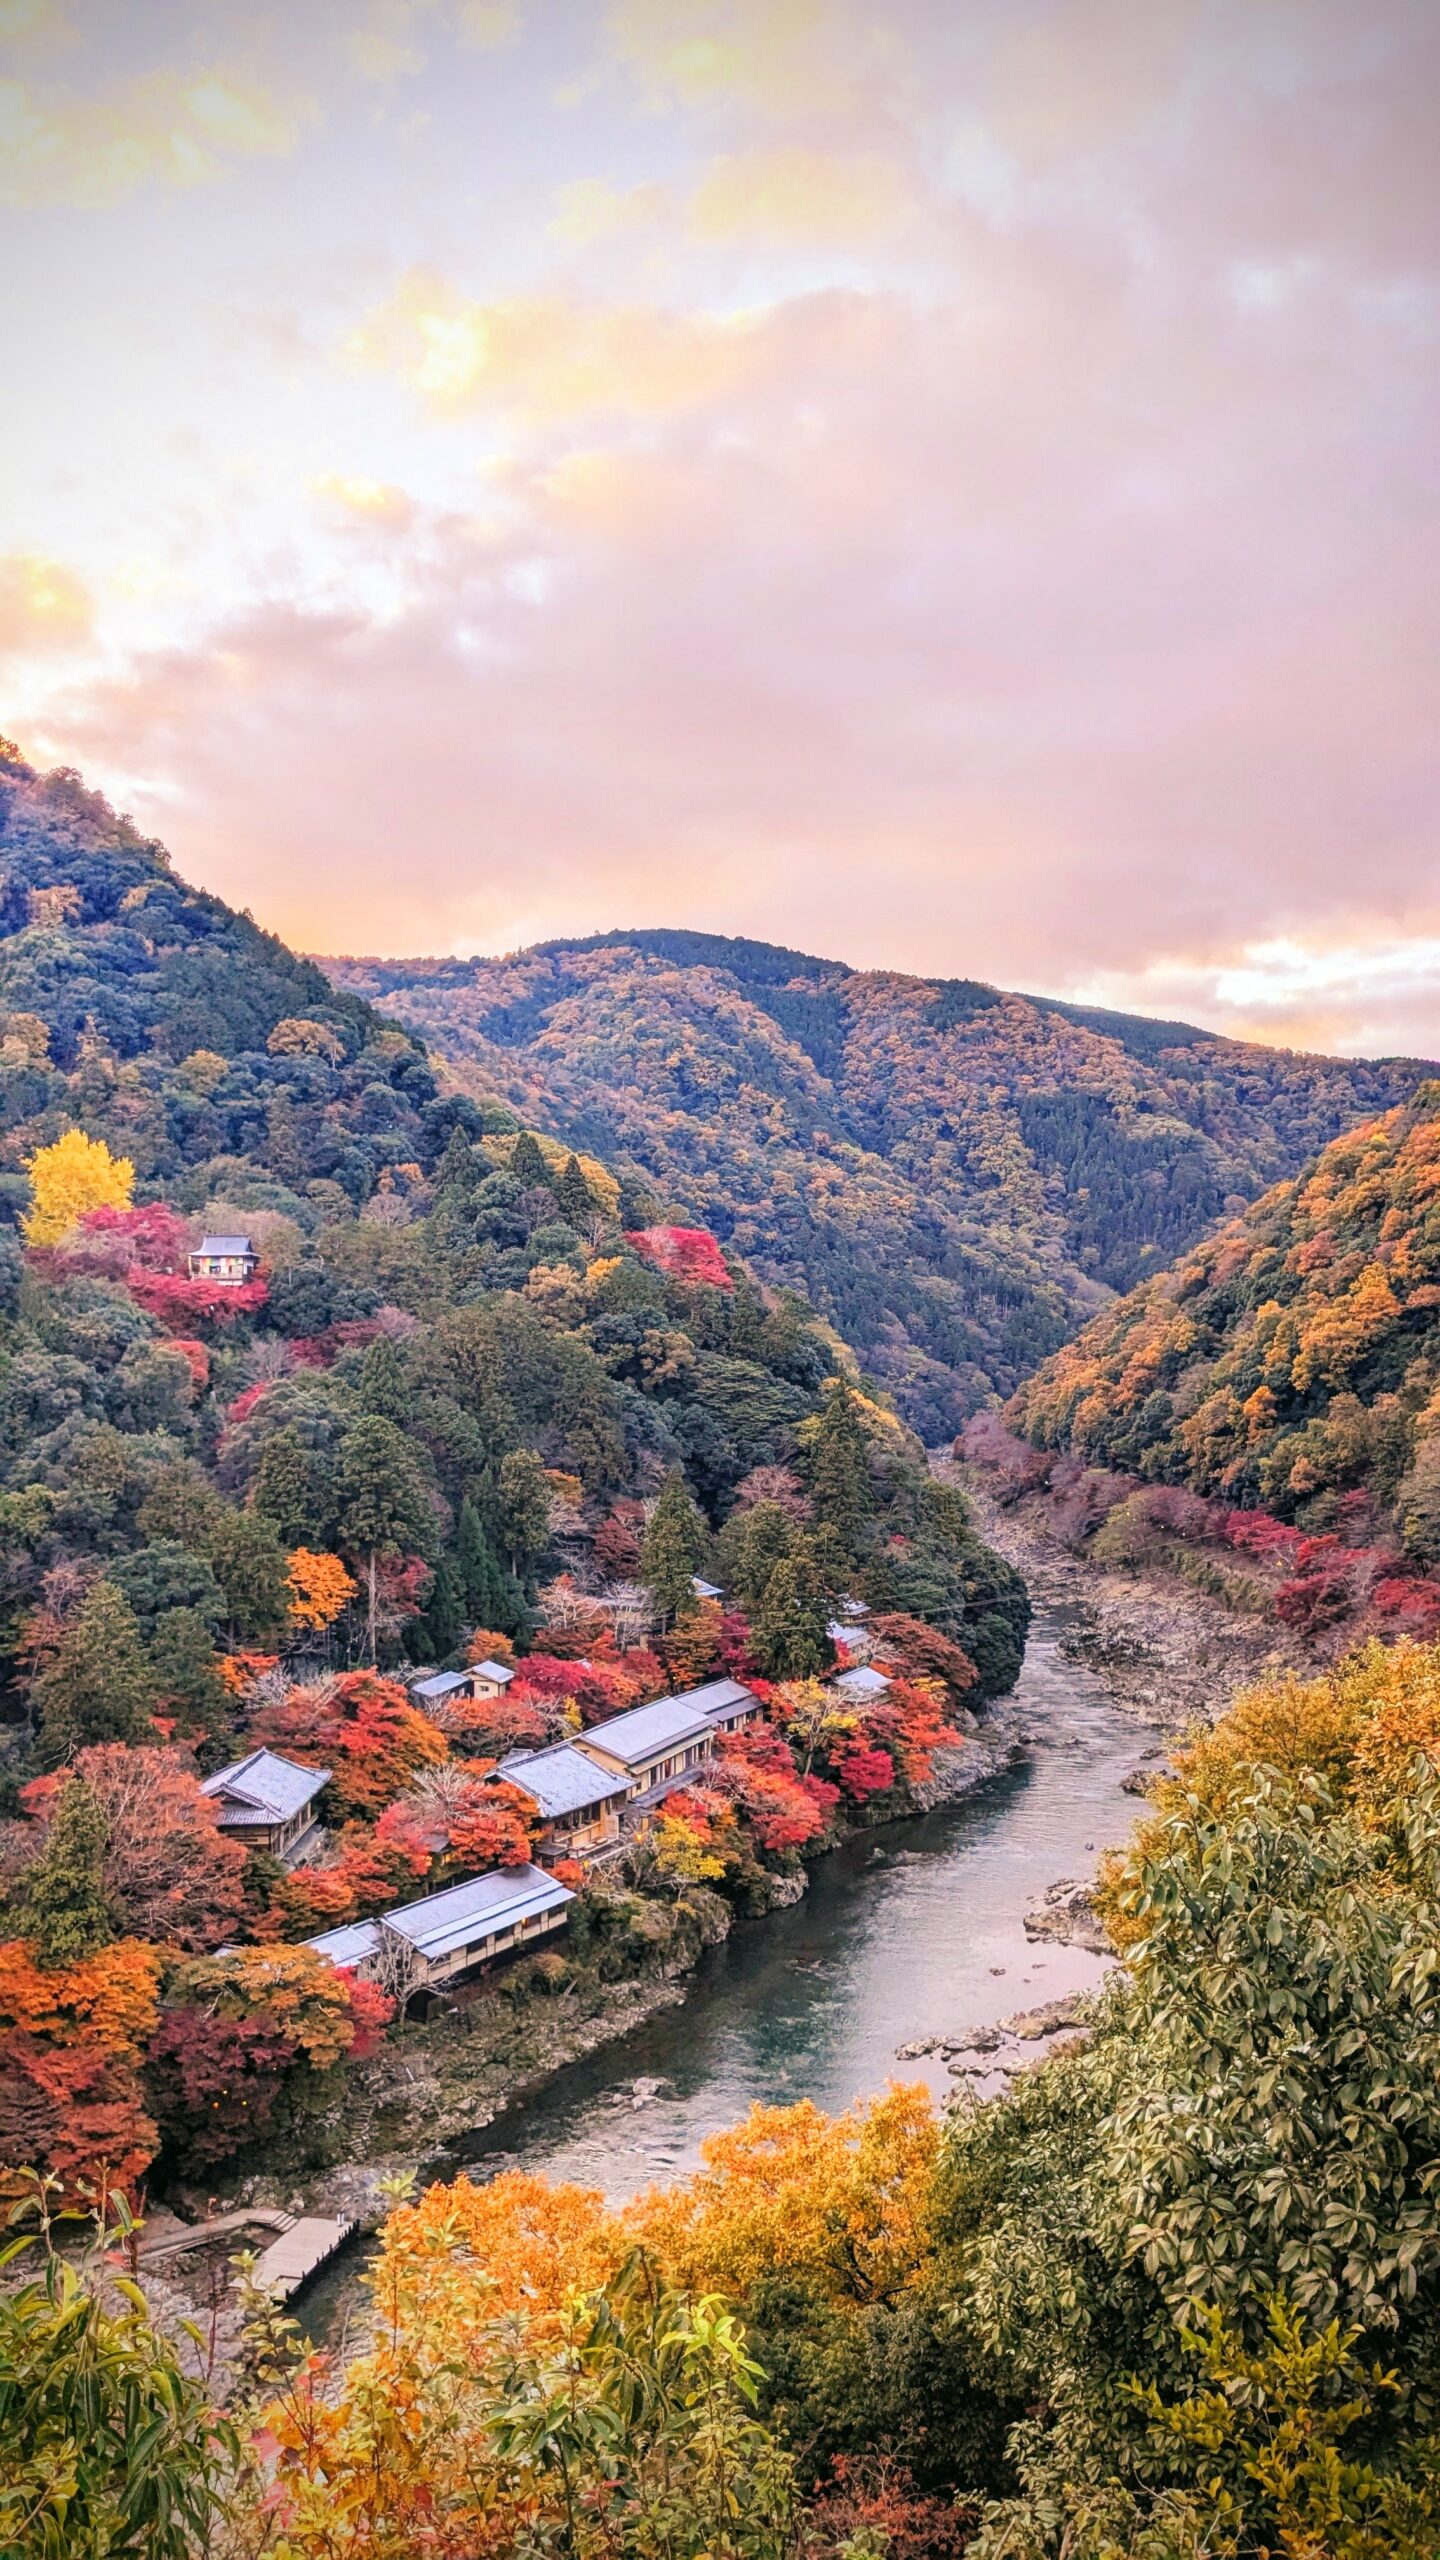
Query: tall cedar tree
(672, 1550)
(61, 1904)
(380, 1495)
(188, 1686)
(250, 1566)
(524, 1506)
(285, 1490)
(382, 1384)
(767, 1534)
(438, 1629)
(482, 1586)
(573, 1196)
(789, 1638)
(527, 1166)
(99, 1686)
(841, 1494)
(458, 1174)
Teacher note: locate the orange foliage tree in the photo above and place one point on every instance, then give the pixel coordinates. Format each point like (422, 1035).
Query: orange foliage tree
(320, 1588)
(71, 2041)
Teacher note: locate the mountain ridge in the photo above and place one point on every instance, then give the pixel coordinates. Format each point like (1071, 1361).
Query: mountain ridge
(956, 1174)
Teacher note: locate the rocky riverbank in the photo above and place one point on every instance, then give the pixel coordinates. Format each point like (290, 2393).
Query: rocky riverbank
(1169, 1655)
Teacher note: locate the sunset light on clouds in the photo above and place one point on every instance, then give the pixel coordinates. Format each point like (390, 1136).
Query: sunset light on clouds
(952, 487)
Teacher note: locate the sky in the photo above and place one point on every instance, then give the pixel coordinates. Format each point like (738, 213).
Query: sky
(946, 484)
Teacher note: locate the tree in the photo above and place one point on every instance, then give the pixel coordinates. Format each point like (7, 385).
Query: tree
(63, 1907)
(574, 1197)
(75, 1174)
(527, 1165)
(189, 1688)
(789, 1634)
(381, 1503)
(110, 2446)
(250, 1566)
(524, 1507)
(382, 1387)
(481, 1581)
(285, 1489)
(164, 1576)
(671, 1551)
(99, 1687)
(442, 1621)
(168, 1873)
(756, 1545)
(320, 1590)
(841, 1495)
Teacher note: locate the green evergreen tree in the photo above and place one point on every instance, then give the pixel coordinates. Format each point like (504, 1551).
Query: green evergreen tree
(381, 1502)
(250, 1565)
(99, 1688)
(841, 1493)
(285, 1491)
(439, 1628)
(187, 1677)
(574, 1197)
(458, 1174)
(61, 1902)
(383, 1388)
(527, 1165)
(788, 1635)
(523, 1503)
(758, 1542)
(482, 1593)
(671, 1551)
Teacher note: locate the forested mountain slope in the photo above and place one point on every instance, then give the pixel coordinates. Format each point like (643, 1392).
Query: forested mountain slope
(955, 1175)
(1290, 1361)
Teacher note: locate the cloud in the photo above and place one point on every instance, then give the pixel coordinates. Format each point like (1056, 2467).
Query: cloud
(44, 606)
(775, 58)
(791, 193)
(550, 357)
(165, 127)
(373, 501)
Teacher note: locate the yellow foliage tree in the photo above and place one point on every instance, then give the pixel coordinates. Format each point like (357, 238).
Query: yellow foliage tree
(75, 1174)
(319, 1587)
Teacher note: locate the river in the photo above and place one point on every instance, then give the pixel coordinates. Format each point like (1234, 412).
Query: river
(908, 1932)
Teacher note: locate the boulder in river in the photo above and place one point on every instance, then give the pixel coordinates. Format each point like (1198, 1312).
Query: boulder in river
(1066, 1913)
(1031, 2024)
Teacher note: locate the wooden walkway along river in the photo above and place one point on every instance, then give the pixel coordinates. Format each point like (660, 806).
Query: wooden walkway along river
(302, 2243)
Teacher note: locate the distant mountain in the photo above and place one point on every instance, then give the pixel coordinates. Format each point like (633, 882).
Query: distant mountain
(955, 1175)
(1289, 1361)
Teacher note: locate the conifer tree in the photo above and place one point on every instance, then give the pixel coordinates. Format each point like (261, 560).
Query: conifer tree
(523, 1503)
(188, 1685)
(673, 1546)
(382, 1505)
(527, 1165)
(788, 1636)
(574, 1197)
(99, 1687)
(482, 1587)
(840, 1489)
(765, 1537)
(61, 1903)
(285, 1490)
(457, 1174)
(442, 1622)
(382, 1386)
(249, 1563)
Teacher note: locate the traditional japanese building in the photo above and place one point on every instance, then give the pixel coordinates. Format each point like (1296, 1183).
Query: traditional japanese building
(659, 1745)
(578, 1801)
(269, 1803)
(436, 1940)
(230, 1260)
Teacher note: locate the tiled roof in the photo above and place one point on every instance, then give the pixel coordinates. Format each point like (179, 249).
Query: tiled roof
(645, 1733)
(224, 1245)
(261, 1789)
(562, 1779)
(466, 1913)
(441, 1684)
(863, 1682)
(350, 1945)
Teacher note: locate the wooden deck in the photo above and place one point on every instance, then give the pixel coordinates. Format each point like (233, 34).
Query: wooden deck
(301, 2246)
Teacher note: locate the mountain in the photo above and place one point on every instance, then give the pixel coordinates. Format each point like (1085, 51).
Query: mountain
(1292, 1360)
(956, 1176)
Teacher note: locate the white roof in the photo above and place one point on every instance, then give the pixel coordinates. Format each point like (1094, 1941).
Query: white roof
(500, 1671)
(647, 1733)
(225, 1245)
(854, 1608)
(562, 1779)
(466, 1913)
(350, 1945)
(863, 1682)
(705, 1590)
(440, 1684)
(262, 1789)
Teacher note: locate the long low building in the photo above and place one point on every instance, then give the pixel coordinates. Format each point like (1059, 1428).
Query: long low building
(657, 1746)
(443, 1935)
(578, 1800)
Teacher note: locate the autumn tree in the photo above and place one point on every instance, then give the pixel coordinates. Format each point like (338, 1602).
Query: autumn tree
(672, 1549)
(320, 1589)
(99, 1686)
(75, 1174)
(169, 1874)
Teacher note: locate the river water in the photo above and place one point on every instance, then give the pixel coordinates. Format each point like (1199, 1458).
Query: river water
(908, 1932)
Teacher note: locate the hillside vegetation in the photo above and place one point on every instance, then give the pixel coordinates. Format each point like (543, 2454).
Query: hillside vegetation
(956, 1176)
(463, 1409)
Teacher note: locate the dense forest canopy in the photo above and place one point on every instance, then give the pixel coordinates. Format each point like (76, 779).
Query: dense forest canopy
(956, 1176)
(1291, 1361)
